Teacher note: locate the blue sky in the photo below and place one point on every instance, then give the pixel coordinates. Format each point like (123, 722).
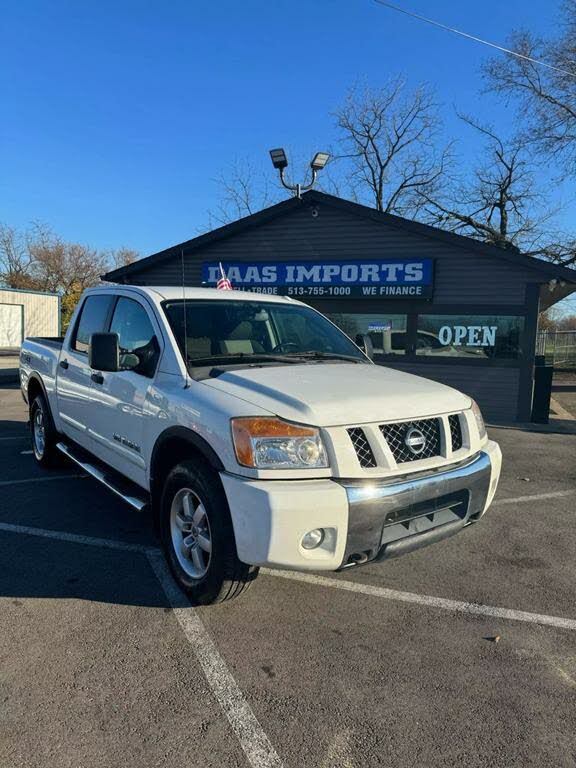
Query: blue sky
(116, 117)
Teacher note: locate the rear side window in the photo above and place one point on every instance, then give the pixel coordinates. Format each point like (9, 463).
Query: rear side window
(135, 337)
(93, 318)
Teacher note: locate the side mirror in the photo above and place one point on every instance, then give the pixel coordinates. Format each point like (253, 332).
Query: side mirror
(364, 341)
(104, 353)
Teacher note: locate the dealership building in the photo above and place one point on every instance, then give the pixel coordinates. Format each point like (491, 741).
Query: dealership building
(434, 303)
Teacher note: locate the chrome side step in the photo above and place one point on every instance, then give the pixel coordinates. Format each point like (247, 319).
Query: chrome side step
(130, 493)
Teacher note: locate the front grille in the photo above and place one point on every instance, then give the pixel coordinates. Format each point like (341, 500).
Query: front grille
(396, 434)
(455, 431)
(362, 447)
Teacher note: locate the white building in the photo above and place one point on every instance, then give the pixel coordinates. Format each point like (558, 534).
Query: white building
(27, 313)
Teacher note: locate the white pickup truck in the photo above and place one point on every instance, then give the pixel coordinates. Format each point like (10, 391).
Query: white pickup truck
(256, 431)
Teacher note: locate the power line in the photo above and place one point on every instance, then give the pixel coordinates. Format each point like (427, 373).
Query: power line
(472, 37)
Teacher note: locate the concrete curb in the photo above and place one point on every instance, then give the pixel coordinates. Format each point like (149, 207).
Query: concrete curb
(554, 427)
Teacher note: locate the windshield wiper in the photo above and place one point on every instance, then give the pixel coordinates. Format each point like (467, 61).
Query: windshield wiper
(317, 355)
(241, 357)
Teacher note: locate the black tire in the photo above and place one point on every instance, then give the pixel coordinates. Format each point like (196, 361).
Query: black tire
(43, 447)
(225, 577)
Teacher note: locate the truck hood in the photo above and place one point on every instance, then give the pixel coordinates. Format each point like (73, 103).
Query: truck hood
(334, 394)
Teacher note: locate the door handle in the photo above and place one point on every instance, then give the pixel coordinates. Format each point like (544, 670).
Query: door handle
(97, 378)
(64, 364)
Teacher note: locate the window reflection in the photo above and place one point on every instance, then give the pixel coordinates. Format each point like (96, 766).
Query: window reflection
(387, 332)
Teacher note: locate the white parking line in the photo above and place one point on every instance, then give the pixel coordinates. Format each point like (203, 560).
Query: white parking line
(76, 538)
(41, 479)
(457, 606)
(19, 437)
(535, 497)
(253, 740)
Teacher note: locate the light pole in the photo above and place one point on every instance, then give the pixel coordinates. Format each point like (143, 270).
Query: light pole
(280, 162)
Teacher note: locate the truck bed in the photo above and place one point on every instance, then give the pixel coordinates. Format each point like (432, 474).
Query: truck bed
(49, 341)
(40, 355)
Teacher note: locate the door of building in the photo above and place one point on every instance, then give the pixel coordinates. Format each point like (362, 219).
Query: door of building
(11, 326)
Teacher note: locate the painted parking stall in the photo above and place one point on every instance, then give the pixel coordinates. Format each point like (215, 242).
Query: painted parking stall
(390, 665)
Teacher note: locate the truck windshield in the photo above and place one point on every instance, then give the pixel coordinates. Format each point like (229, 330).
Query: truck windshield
(218, 330)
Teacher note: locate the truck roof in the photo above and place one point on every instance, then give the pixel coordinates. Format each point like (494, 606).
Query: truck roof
(163, 292)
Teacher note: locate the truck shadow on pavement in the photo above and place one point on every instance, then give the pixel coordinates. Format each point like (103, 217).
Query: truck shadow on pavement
(36, 568)
(60, 501)
(13, 428)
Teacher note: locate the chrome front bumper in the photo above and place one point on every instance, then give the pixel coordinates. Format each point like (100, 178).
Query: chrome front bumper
(363, 520)
(387, 519)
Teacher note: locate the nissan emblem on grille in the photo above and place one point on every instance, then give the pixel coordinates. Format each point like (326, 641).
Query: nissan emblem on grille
(415, 440)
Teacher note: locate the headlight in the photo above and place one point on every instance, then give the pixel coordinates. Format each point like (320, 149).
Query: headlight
(270, 443)
(479, 419)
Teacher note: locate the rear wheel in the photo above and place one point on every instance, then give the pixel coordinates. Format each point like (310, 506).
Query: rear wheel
(44, 436)
(198, 537)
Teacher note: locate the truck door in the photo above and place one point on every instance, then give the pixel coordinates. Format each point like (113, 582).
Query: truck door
(117, 425)
(74, 374)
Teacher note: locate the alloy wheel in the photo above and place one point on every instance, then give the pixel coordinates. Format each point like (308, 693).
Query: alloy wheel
(190, 532)
(39, 433)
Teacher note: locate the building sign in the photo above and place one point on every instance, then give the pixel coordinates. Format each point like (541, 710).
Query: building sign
(369, 279)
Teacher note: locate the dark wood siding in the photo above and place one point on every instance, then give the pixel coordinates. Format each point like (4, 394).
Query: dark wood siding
(495, 389)
(461, 277)
(463, 280)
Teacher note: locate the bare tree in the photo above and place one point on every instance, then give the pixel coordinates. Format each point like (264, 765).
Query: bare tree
(499, 202)
(38, 259)
(123, 256)
(388, 140)
(243, 190)
(546, 97)
(15, 259)
(552, 319)
(63, 267)
(385, 155)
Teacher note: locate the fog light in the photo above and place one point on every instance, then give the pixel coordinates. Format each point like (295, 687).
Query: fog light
(313, 539)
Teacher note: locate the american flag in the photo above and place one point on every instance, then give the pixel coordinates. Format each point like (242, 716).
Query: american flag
(223, 283)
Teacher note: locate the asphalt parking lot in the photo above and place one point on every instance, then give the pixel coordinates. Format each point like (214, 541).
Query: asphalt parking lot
(102, 662)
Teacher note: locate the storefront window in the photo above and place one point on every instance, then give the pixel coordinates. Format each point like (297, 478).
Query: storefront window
(471, 336)
(388, 332)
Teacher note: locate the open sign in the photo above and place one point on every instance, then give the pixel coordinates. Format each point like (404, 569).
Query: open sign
(468, 335)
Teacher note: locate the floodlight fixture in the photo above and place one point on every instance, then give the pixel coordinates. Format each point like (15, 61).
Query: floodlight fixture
(280, 162)
(279, 159)
(319, 161)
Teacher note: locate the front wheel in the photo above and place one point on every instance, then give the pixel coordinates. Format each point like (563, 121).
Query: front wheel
(198, 537)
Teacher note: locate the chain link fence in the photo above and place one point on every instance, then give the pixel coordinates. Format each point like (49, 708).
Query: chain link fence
(558, 348)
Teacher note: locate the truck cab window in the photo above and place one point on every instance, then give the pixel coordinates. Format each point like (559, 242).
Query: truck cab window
(247, 328)
(93, 316)
(136, 337)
